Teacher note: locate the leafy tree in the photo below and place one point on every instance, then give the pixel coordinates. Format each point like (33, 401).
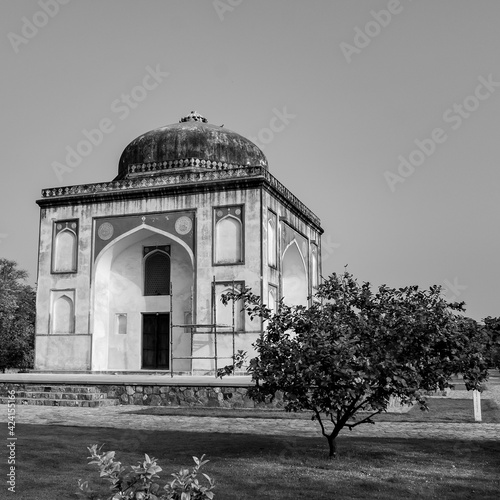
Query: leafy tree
(492, 338)
(344, 357)
(17, 317)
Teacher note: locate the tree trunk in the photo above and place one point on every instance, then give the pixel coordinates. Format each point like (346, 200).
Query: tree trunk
(332, 443)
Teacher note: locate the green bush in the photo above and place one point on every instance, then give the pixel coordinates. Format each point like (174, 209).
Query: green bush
(138, 482)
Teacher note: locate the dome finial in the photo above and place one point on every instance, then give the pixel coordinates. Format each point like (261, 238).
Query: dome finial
(194, 116)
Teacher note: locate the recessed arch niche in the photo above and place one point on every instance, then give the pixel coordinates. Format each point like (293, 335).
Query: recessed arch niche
(294, 276)
(62, 315)
(228, 240)
(118, 288)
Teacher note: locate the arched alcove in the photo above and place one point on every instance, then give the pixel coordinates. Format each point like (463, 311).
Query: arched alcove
(294, 275)
(119, 289)
(224, 312)
(65, 246)
(228, 241)
(314, 267)
(271, 240)
(63, 315)
(157, 273)
(272, 300)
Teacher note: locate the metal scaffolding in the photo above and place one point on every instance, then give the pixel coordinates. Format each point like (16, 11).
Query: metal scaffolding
(193, 331)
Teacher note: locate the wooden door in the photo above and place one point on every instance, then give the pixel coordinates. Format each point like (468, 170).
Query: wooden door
(156, 341)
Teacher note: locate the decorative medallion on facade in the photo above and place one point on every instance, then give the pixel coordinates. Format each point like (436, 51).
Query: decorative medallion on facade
(183, 225)
(65, 225)
(236, 211)
(194, 116)
(106, 231)
(110, 228)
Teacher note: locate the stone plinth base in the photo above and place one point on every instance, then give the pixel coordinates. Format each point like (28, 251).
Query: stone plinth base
(95, 395)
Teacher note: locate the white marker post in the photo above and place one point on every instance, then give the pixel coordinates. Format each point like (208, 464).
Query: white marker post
(476, 397)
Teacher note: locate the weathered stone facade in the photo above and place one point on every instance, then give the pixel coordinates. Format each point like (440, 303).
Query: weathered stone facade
(200, 199)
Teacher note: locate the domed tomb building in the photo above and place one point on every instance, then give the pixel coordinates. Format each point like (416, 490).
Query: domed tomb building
(131, 271)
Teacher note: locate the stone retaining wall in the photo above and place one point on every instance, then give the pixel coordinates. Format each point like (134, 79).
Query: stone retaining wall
(144, 395)
(226, 397)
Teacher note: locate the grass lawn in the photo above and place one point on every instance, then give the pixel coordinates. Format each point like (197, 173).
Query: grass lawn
(52, 458)
(440, 410)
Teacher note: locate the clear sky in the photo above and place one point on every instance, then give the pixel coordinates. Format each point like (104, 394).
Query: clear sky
(387, 117)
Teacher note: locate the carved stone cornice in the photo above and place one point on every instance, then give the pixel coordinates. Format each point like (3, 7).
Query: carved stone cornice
(160, 180)
(156, 167)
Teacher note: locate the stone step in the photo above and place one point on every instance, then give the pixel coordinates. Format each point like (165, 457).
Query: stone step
(58, 395)
(63, 402)
(60, 388)
(86, 396)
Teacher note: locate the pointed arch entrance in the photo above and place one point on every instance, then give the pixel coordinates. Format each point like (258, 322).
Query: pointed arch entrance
(294, 276)
(124, 335)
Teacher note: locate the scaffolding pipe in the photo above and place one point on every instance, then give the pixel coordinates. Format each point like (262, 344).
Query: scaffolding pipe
(234, 367)
(213, 327)
(171, 335)
(214, 307)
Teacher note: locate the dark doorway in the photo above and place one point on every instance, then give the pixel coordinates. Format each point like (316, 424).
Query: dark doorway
(155, 341)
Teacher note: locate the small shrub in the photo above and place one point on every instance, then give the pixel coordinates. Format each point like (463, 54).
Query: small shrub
(138, 482)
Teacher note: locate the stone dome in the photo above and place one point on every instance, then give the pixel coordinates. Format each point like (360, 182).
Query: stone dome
(194, 138)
